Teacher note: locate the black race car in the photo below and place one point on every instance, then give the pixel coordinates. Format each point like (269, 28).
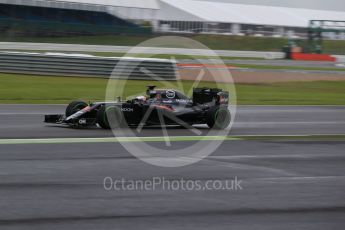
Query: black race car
(159, 107)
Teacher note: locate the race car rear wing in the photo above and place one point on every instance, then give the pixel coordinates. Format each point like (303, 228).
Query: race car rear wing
(208, 95)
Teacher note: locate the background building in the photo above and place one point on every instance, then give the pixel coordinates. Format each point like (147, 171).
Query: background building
(240, 19)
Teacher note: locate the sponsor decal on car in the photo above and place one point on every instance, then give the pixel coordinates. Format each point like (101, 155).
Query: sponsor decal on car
(170, 94)
(184, 101)
(82, 122)
(127, 109)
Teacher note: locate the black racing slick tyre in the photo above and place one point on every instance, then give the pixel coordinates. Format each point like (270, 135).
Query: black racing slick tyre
(110, 117)
(218, 118)
(74, 107)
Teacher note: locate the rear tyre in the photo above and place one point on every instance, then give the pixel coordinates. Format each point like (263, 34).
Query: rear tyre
(74, 107)
(218, 118)
(110, 117)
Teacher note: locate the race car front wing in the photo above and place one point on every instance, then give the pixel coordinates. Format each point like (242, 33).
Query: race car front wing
(56, 119)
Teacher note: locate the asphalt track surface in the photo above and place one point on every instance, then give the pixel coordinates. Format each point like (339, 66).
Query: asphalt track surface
(25, 121)
(285, 184)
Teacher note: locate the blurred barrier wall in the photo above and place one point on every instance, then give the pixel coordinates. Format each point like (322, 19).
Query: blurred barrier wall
(87, 66)
(140, 50)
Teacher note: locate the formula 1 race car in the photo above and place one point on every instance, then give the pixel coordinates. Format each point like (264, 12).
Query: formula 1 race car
(159, 107)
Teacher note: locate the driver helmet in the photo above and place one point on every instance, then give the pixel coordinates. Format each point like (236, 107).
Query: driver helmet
(141, 98)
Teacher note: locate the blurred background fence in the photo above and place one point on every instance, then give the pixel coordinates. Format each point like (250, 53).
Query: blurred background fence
(87, 66)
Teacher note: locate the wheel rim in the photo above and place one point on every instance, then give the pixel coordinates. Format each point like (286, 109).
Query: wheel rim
(113, 115)
(222, 118)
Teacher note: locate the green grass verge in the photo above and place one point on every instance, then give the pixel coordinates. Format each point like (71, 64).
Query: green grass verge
(216, 42)
(57, 90)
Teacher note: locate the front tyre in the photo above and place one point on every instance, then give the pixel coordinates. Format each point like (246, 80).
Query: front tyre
(110, 117)
(75, 107)
(218, 118)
